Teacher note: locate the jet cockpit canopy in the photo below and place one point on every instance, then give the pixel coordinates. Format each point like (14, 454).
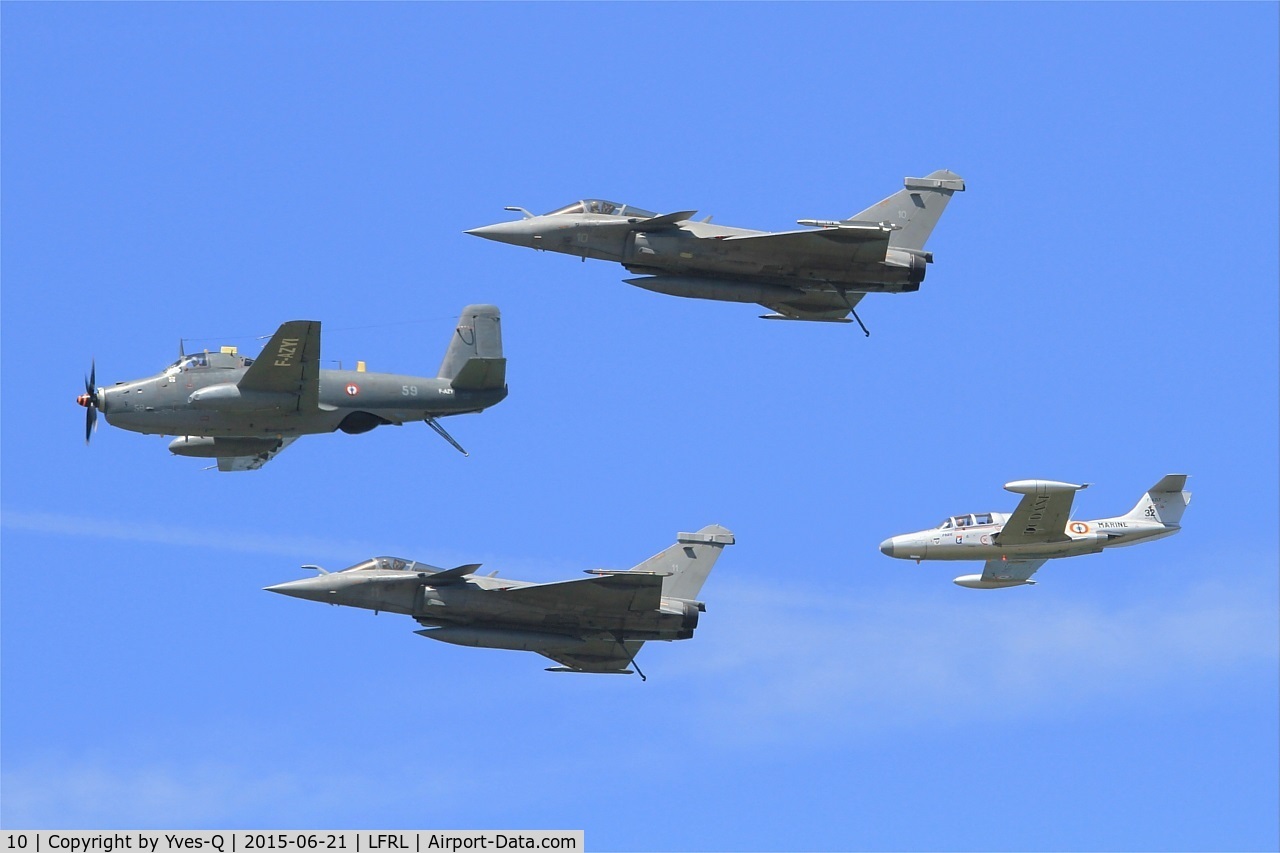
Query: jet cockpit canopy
(394, 564)
(606, 208)
(965, 521)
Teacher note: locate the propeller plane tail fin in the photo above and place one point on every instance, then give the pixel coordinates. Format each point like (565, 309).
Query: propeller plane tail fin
(474, 360)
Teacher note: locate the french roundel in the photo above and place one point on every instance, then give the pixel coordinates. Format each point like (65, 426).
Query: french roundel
(1079, 527)
(353, 389)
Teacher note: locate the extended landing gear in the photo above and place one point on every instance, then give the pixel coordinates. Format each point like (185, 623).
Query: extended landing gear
(617, 638)
(844, 294)
(860, 323)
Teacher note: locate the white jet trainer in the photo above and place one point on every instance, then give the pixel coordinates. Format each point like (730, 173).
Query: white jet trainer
(1017, 544)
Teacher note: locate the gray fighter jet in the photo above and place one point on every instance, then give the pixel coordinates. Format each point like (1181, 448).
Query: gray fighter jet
(1016, 545)
(243, 411)
(816, 274)
(595, 624)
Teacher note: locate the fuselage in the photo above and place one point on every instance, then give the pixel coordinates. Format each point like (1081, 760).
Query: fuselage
(701, 249)
(203, 401)
(402, 586)
(981, 541)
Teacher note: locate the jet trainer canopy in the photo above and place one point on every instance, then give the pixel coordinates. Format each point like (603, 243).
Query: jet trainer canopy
(965, 521)
(606, 208)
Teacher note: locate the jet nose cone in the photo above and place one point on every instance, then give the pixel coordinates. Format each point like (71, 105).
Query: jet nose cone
(516, 233)
(886, 547)
(312, 589)
(489, 232)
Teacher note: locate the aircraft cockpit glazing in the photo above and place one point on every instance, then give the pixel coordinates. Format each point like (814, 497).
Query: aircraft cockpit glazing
(394, 564)
(204, 360)
(606, 208)
(957, 521)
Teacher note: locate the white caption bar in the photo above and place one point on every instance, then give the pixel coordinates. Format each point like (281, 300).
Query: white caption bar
(290, 841)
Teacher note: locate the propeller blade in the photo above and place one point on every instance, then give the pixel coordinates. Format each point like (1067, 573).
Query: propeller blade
(91, 382)
(90, 401)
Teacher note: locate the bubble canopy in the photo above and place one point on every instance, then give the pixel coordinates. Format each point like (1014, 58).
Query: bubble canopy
(604, 208)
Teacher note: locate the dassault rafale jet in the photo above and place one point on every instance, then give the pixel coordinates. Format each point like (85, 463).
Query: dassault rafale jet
(1016, 544)
(815, 274)
(243, 411)
(594, 624)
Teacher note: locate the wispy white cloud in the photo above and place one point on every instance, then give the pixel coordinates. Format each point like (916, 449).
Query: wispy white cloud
(226, 538)
(271, 543)
(112, 794)
(779, 662)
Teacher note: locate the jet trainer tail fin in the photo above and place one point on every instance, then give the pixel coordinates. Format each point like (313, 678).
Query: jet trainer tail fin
(916, 208)
(474, 360)
(1164, 502)
(688, 562)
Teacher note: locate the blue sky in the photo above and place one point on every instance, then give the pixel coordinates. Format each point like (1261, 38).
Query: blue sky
(1103, 308)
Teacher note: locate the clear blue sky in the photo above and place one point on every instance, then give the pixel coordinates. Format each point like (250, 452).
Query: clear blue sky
(1103, 309)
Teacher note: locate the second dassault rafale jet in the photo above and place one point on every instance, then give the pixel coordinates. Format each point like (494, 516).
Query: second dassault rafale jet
(243, 411)
(595, 624)
(1016, 544)
(816, 274)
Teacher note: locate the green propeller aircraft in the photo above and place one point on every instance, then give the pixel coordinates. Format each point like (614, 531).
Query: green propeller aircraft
(243, 411)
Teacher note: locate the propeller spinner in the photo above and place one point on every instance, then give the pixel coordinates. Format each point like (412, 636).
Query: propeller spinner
(90, 400)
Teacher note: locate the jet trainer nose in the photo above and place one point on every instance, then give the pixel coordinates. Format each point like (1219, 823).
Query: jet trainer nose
(886, 547)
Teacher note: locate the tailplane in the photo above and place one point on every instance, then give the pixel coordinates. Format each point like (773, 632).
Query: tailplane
(474, 360)
(916, 208)
(1164, 502)
(688, 562)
